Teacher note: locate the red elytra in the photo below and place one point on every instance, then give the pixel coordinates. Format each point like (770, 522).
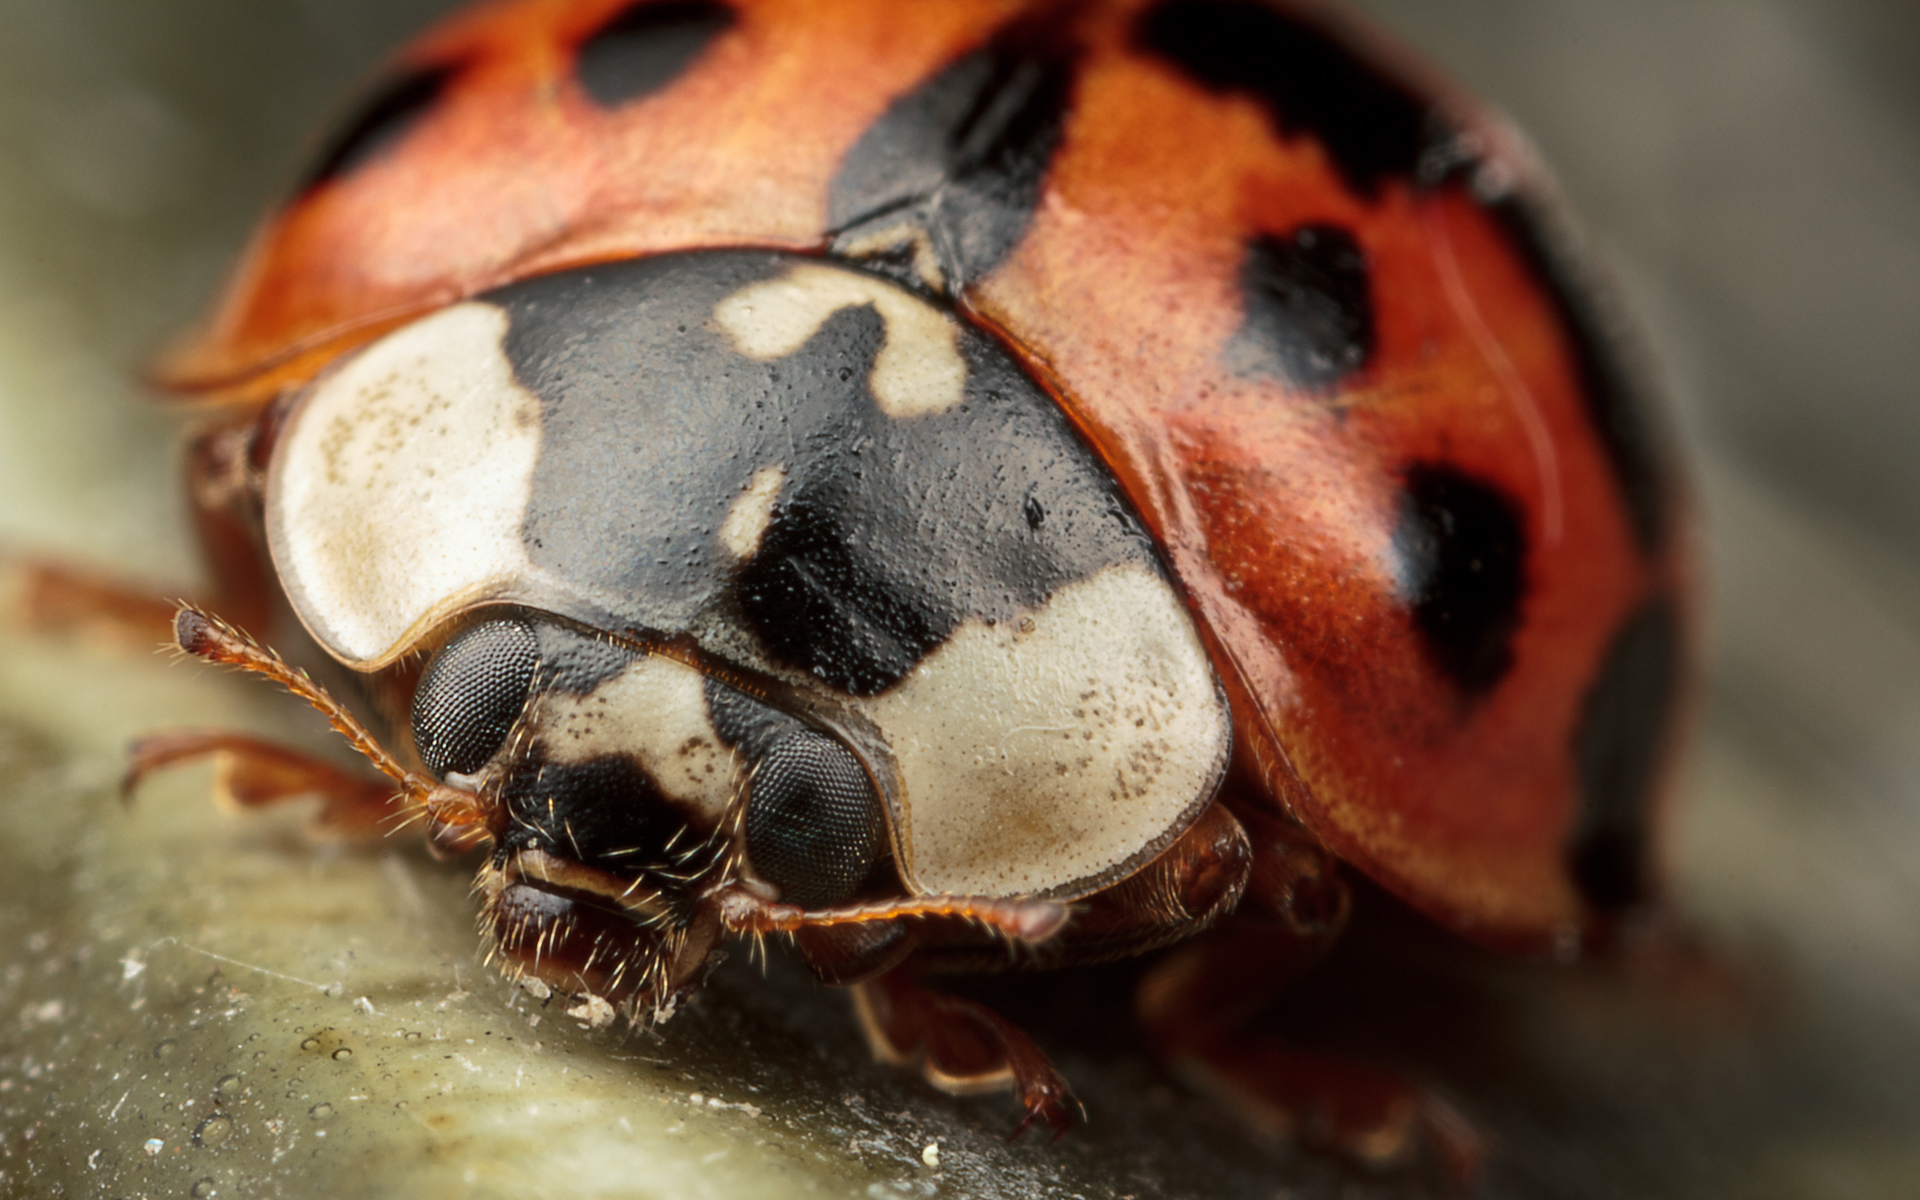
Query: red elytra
(1483, 734)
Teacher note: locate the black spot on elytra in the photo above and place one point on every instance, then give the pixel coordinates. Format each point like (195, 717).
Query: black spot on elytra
(379, 123)
(1616, 751)
(1615, 399)
(1373, 127)
(1309, 307)
(964, 154)
(1462, 552)
(645, 47)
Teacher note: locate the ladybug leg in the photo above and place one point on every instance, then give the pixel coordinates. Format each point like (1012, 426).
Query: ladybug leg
(1196, 1002)
(1191, 885)
(843, 955)
(961, 1047)
(251, 773)
(50, 597)
(225, 484)
(255, 773)
(47, 597)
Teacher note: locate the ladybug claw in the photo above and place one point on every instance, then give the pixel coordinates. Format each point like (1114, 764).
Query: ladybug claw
(962, 1047)
(1047, 1101)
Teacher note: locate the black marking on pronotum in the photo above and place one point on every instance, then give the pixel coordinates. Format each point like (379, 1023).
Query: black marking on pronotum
(1462, 552)
(964, 154)
(818, 604)
(645, 47)
(744, 723)
(888, 532)
(1616, 751)
(1615, 397)
(1309, 307)
(381, 121)
(573, 662)
(1372, 126)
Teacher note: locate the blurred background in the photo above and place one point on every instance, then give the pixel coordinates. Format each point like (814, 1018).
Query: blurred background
(1750, 171)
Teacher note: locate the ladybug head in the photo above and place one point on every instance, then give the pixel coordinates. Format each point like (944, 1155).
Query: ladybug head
(630, 788)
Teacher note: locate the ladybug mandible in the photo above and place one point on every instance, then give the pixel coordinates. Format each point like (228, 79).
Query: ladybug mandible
(960, 485)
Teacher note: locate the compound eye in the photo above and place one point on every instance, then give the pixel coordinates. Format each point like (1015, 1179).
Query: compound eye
(472, 693)
(814, 828)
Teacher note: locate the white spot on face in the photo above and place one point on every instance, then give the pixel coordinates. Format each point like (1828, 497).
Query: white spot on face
(398, 487)
(918, 371)
(1048, 753)
(655, 712)
(750, 515)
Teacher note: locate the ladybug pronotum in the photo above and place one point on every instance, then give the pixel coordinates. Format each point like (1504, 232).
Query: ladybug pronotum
(962, 485)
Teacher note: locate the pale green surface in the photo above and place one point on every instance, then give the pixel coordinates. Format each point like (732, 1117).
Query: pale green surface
(291, 1019)
(135, 139)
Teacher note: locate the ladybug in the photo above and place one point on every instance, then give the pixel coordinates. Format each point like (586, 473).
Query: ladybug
(960, 486)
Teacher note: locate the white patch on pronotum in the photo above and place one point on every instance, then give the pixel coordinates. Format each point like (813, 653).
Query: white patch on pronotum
(1050, 753)
(751, 513)
(918, 371)
(399, 486)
